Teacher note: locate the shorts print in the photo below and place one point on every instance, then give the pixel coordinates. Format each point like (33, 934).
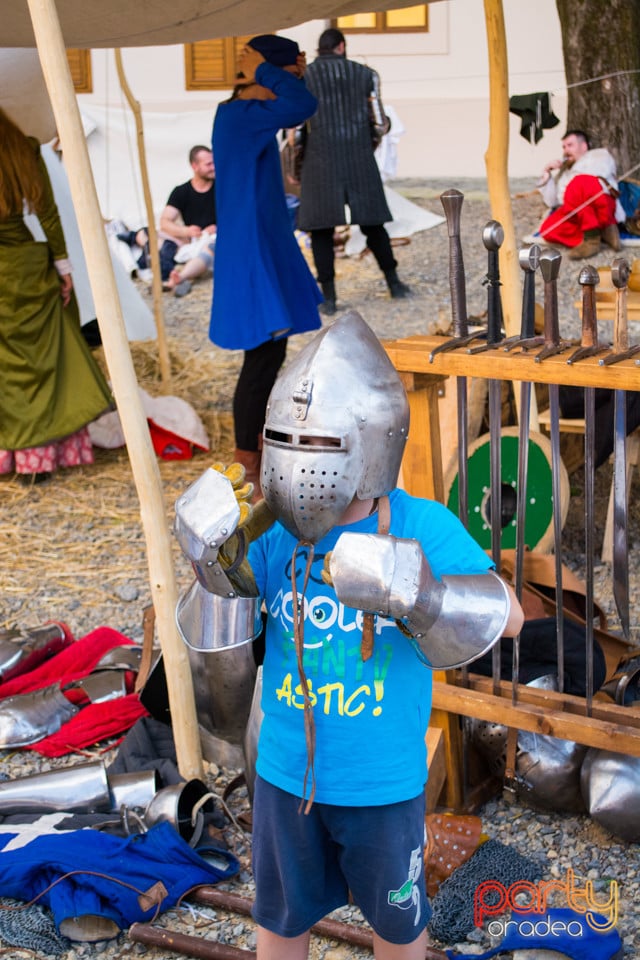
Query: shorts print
(305, 865)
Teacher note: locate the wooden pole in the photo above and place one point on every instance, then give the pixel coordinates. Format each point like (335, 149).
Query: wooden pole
(497, 165)
(146, 475)
(156, 283)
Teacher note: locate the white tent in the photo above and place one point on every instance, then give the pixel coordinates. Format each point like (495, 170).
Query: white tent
(51, 26)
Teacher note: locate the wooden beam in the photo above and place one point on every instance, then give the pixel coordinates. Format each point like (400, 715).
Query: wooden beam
(144, 465)
(621, 737)
(412, 355)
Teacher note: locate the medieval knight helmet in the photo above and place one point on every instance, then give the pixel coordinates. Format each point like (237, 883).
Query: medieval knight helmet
(335, 428)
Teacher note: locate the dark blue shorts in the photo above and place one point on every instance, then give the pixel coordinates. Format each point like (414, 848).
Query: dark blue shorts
(305, 865)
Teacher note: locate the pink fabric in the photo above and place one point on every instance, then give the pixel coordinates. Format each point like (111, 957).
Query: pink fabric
(71, 451)
(599, 213)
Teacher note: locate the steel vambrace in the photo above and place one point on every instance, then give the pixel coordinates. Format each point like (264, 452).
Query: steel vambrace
(452, 621)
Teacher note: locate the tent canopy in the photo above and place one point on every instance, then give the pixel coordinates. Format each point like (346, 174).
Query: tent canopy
(120, 23)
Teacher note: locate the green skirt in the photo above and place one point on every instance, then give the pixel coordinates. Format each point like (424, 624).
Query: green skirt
(51, 385)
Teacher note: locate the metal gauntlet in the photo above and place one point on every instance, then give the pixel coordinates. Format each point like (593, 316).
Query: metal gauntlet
(453, 620)
(207, 515)
(214, 613)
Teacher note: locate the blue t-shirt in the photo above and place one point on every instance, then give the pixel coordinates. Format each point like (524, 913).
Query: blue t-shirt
(370, 718)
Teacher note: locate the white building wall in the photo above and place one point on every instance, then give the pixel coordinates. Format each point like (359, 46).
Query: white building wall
(437, 82)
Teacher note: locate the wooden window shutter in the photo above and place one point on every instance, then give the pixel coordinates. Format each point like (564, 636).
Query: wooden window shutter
(403, 20)
(211, 64)
(80, 66)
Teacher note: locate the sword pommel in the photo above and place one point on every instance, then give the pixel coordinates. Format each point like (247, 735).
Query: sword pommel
(493, 235)
(620, 272)
(529, 258)
(589, 277)
(550, 262)
(452, 205)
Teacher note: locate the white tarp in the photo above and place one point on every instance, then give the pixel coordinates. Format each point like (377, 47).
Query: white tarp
(23, 94)
(137, 316)
(121, 23)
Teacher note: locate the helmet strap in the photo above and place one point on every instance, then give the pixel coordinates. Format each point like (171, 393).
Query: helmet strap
(298, 634)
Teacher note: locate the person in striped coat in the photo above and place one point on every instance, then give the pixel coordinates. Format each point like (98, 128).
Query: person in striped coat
(339, 168)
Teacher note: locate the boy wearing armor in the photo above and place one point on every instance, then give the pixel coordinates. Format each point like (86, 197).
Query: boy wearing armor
(365, 589)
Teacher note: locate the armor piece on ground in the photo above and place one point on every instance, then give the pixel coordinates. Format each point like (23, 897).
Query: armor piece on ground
(453, 620)
(80, 789)
(183, 805)
(126, 657)
(610, 785)
(29, 717)
(624, 686)
(547, 768)
(22, 651)
(134, 789)
(219, 634)
(336, 427)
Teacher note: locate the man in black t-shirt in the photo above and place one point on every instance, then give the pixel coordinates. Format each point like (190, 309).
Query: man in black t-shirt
(189, 218)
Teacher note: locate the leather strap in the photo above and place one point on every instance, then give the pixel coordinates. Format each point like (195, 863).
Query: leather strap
(510, 792)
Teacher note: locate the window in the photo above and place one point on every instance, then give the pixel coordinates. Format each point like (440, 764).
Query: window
(80, 66)
(211, 64)
(404, 20)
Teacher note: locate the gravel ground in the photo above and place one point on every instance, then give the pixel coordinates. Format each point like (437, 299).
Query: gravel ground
(47, 525)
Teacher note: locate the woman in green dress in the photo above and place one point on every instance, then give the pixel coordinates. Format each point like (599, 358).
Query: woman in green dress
(50, 385)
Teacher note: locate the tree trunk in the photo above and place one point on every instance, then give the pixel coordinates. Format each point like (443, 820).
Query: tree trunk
(600, 39)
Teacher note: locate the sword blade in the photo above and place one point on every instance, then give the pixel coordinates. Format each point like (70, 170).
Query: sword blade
(521, 511)
(495, 443)
(554, 430)
(620, 506)
(620, 276)
(589, 503)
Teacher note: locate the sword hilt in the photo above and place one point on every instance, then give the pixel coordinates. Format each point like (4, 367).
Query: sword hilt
(529, 260)
(452, 201)
(620, 273)
(550, 268)
(588, 280)
(493, 238)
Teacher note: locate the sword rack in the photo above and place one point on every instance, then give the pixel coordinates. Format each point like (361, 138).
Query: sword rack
(606, 725)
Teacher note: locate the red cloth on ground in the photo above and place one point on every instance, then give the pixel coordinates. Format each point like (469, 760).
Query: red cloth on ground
(596, 215)
(75, 661)
(95, 721)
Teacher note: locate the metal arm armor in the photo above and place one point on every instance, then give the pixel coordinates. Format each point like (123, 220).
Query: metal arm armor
(453, 620)
(207, 515)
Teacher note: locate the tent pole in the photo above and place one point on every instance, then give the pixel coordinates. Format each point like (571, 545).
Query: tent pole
(497, 162)
(146, 474)
(163, 352)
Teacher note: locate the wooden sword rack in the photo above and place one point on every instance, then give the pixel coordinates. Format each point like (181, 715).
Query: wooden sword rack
(608, 725)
